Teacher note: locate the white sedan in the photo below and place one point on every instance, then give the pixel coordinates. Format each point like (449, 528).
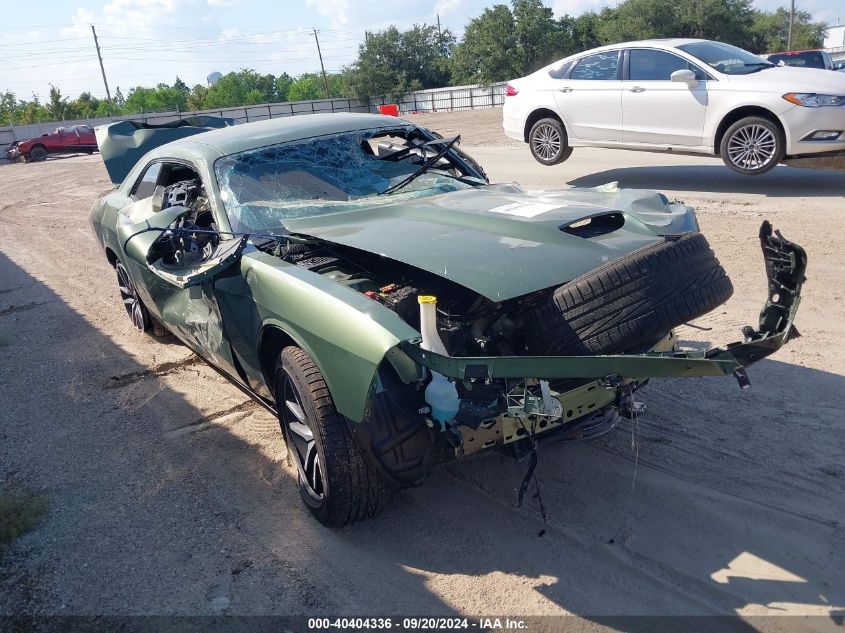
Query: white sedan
(682, 96)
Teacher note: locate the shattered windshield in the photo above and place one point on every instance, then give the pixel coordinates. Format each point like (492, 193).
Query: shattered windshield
(262, 188)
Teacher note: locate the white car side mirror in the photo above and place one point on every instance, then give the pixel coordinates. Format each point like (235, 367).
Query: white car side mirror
(684, 76)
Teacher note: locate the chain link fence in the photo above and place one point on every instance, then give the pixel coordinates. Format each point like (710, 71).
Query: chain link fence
(433, 100)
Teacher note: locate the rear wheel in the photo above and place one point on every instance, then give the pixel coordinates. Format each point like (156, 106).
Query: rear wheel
(548, 142)
(38, 154)
(335, 482)
(752, 146)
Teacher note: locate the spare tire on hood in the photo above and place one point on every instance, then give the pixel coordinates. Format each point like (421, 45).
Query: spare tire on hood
(629, 304)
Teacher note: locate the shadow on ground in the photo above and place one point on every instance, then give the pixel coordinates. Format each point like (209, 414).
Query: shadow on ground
(781, 181)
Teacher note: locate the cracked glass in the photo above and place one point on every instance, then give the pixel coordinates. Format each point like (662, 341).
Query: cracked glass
(262, 188)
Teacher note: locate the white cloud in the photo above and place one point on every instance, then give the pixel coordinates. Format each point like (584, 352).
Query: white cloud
(577, 7)
(336, 10)
(223, 3)
(445, 7)
(81, 22)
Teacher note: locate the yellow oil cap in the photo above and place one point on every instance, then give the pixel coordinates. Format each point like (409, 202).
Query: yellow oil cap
(426, 299)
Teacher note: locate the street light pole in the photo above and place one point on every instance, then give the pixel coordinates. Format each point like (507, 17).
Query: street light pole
(791, 24)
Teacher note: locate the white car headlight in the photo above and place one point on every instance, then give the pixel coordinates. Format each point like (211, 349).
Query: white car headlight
(813, 100)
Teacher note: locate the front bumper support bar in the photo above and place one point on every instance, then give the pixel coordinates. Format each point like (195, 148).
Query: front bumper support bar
(785, 263)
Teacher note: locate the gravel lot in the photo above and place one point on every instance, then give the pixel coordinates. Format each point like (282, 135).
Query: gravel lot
(169, 492)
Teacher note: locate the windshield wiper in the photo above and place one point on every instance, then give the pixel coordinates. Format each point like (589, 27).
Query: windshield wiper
(758, 66)
(425, 166)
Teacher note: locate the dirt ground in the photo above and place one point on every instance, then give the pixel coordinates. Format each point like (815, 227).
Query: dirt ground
(169, 492)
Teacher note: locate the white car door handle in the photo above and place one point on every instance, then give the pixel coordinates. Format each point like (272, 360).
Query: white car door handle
(567, 89)
(637, 89)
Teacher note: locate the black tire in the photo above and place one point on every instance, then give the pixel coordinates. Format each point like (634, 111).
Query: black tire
(334, 481)
(548, 142)
(752, 146)
(135, 308)
(38, 154)
(630, 303)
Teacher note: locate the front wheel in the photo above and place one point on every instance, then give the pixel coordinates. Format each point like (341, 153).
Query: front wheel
(548, 142)
(335, 482)
(752, 146)
(37, 154)
(141, 319)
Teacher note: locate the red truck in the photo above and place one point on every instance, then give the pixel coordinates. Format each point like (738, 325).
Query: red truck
(64, 140)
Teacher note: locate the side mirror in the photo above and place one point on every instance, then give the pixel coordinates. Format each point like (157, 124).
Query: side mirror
(684, 75)
(157, 199)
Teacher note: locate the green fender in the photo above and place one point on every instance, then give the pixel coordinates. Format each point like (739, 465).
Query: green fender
(347, 334)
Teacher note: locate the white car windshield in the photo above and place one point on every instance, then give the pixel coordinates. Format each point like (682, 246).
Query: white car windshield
(727, 59)
(262, 188)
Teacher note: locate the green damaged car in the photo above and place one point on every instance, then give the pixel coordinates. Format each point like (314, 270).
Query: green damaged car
(358, 275)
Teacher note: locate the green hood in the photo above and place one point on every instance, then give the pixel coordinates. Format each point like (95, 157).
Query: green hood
(502, 241)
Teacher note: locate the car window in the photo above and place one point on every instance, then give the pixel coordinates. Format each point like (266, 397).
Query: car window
(725, 58)
(597, 67)
(653, 65)
(147, 184)
(560, 71)
(806, 59)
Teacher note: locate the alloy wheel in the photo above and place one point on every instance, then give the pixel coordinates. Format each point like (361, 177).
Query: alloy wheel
(752, 147)
(546, 142)
(302, 442)
(131, 301)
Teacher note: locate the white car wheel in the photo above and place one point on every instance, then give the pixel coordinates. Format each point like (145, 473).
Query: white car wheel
(548, 142)
(752, 146)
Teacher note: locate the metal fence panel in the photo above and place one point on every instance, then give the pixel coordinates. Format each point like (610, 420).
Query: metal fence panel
(432, 100)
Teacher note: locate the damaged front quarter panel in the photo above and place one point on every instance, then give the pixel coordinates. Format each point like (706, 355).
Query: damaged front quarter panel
(785, 264)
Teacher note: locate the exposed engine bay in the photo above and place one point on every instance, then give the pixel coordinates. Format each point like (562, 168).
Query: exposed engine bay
(468, 324)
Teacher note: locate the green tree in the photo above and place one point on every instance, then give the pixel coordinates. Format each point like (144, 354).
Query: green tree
(196, 100)
(723, 20)
(84, 106)
(540, 38)
(241, 88)
(57, 106)
(489, 50)
(282, 86)
(391, 62)
(8, 107)
(119, 100)
(769, 32)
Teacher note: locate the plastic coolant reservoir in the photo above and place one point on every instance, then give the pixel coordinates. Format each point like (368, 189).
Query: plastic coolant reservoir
(441, 394)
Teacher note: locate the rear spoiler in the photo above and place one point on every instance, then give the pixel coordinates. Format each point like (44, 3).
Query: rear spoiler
(122, 144)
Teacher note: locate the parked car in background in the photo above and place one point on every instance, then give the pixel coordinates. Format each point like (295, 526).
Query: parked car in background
(359, 275)
(678, 95)
(814, 58)
(63, 140)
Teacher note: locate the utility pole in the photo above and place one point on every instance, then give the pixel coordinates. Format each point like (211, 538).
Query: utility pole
(440, 36)
(102, 68)
(791, 23)
(323, 68)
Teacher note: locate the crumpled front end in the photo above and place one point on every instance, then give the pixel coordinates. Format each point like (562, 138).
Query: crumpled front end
(13, 152)
(504, 399)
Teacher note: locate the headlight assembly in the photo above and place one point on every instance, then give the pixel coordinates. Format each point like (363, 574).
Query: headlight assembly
(813, 100)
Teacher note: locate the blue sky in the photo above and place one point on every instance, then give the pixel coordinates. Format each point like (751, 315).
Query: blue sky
(147, 41)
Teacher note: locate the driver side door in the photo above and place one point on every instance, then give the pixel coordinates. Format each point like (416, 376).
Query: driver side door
(181, 297)
(657, 110)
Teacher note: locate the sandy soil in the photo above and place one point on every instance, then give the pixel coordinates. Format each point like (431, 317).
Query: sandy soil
(170, 494)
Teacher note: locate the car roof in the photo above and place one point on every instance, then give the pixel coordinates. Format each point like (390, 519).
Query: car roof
(247, 136)
(669, 42)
